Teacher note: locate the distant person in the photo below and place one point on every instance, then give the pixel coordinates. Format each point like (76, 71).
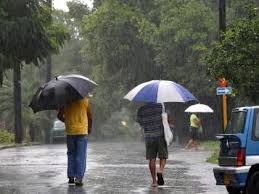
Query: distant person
(78, 121)
(150, 119)
(195, 124)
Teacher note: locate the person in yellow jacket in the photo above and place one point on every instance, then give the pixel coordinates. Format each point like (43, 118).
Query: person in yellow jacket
(195, 123)
(78, 121)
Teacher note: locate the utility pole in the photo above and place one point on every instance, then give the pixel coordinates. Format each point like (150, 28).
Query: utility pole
(17, 104)
(222, 29)
(222, 16)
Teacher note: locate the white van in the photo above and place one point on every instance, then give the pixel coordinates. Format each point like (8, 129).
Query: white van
(57, 131)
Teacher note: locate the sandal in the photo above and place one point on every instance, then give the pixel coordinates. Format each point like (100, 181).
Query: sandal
(160, 179)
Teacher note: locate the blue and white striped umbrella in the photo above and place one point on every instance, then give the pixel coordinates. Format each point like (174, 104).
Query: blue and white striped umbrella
(159, 91)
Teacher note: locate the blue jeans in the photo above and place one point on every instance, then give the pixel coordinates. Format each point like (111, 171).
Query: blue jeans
(76, 155)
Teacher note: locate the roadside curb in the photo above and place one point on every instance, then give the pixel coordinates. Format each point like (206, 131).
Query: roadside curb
(7, 146)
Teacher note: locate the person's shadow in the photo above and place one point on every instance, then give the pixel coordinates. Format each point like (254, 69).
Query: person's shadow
(72, 189)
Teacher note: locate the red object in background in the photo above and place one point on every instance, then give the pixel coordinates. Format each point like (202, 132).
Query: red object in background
(222, 82)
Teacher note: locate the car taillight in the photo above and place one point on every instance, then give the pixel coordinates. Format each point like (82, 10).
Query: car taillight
(241, 157)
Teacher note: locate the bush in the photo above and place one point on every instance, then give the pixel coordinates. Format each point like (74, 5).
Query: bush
(213, 158)
(6, 137)
(212, 146)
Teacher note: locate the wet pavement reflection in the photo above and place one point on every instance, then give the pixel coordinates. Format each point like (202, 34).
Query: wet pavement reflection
(112, 168)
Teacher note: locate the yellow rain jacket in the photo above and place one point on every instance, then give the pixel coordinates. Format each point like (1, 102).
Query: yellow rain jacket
(76, 116)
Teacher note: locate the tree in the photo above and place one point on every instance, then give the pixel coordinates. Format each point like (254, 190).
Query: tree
(129, 42)
(118, 56)
(30, 82)
(236, 56)
(26, 36)
(180, 36)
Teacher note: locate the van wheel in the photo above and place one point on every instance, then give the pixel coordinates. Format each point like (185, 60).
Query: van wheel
(233, 190)
(253, 184)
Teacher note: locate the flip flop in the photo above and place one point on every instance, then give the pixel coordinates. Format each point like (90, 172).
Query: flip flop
(160, 179)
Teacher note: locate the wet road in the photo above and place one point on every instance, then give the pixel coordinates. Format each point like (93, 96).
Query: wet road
(112, 168)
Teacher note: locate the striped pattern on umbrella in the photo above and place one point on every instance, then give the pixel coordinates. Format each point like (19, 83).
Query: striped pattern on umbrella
(159, 91)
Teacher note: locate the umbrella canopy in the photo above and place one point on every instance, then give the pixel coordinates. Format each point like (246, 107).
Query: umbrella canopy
(60, 91)
(199, 108)
(160, 91)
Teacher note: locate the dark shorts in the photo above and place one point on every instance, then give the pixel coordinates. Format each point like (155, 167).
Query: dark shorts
(194, 133)
(156, 148)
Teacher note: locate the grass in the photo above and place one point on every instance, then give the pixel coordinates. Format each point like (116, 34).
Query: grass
(212, 146)
(6, 137)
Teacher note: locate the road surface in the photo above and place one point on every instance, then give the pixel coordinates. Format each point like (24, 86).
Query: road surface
(112, 168)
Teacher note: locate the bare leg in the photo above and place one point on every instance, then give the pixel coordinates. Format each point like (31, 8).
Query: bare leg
(152, 168)
(162, 165)
(189, 144)
(160, 179)
(196, 144)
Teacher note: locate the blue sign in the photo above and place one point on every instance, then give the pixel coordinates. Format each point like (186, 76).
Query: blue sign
(224, 90)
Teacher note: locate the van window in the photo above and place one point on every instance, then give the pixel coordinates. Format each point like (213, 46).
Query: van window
(237, 122)
(59, 124)
(256, 125)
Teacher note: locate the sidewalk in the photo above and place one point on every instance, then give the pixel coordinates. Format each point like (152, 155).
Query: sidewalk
(6, 146)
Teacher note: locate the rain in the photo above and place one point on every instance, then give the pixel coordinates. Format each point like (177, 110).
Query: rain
(115, 96)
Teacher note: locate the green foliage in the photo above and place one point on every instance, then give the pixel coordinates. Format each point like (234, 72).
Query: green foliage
(112, 44)
(27, 34)
(77, 10)
(30, 120)
(236, 57)
(210, 145)
(6, 137)
(120, 124)
(214, 147)
(213, 158)
(122, 43)
(235, 10)
(117, 55)
(182, 36)
(128, 43)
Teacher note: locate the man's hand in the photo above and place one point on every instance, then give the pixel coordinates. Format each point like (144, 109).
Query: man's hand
(89, 130)
(61, 115)
(89, 117)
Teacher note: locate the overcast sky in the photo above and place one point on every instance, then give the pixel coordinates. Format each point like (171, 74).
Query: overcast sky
(61, 4)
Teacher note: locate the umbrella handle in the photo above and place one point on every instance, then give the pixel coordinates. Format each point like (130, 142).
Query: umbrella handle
(163, 107)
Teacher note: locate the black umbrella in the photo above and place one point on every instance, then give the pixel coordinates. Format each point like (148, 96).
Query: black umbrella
(60, 91)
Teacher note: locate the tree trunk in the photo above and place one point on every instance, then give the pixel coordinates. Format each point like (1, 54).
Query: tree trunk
(1, 75)
(48, 78)
(17, 104)
(48, 68)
